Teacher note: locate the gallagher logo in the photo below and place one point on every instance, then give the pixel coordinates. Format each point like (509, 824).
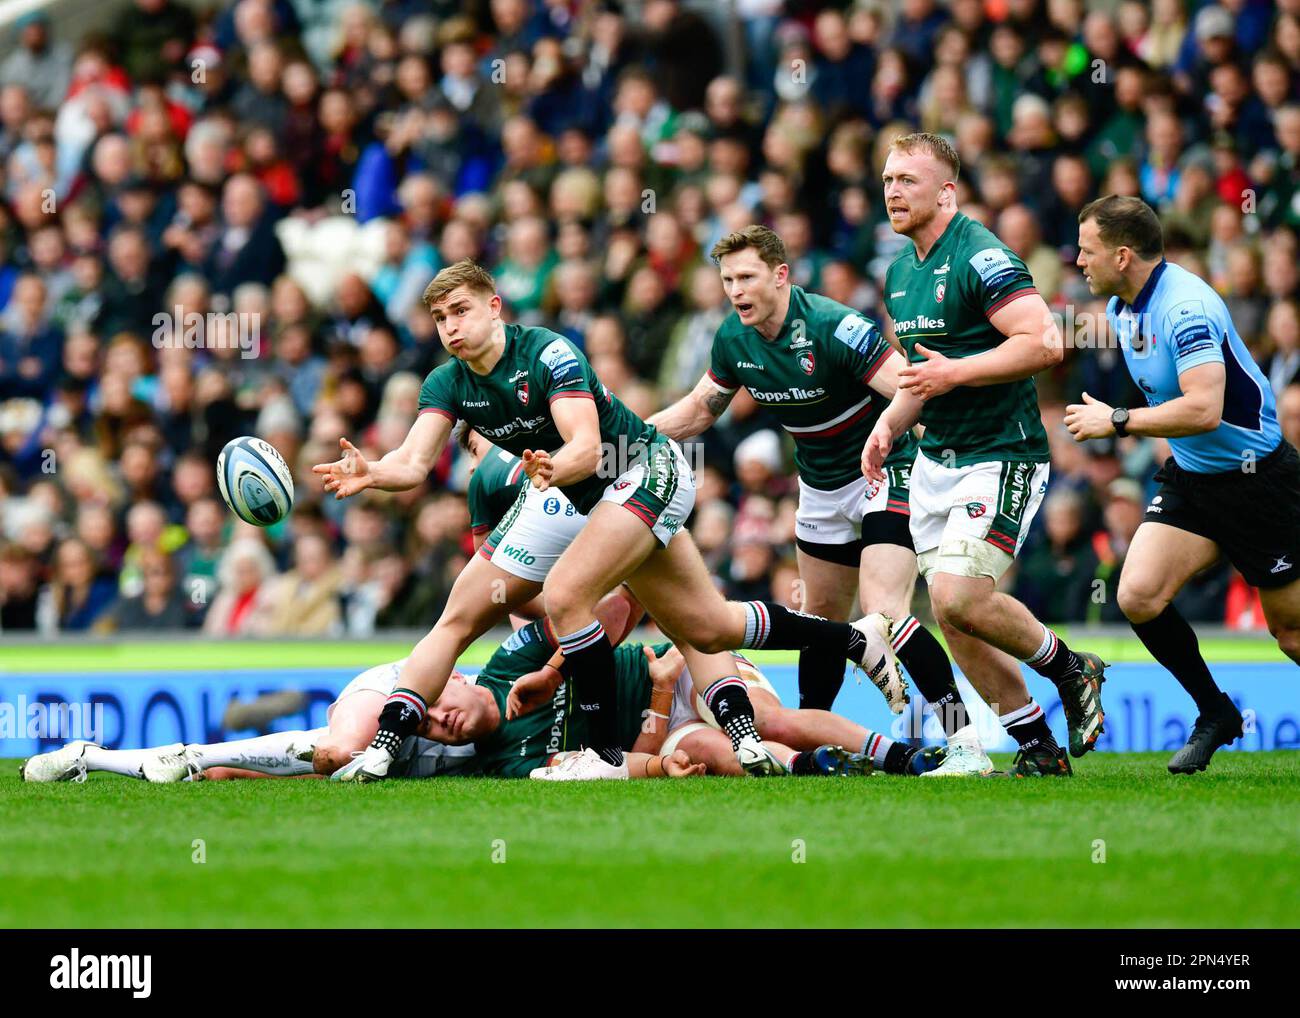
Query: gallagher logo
(521, 391)
(807, 362)
(976, 509)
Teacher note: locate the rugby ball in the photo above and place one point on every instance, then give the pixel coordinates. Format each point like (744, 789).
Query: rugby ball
(255, 481)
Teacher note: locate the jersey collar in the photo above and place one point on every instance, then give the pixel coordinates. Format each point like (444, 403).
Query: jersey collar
(943, 238)
(1143, 298)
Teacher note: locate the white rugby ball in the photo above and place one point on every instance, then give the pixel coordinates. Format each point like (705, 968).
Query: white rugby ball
(255, 481)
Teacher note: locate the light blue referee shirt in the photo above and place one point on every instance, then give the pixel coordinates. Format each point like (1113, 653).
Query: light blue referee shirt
(1179, 322)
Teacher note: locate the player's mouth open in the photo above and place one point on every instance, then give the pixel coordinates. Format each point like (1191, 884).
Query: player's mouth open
(744, 309)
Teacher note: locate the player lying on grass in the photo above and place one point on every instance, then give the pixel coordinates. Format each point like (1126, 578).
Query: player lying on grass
(533, 393)
(1232, 484)
(514, 719)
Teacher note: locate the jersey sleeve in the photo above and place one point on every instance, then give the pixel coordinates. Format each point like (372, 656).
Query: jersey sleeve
(1193, 329)
(476, 497)
(436, 394)
(996, 277)
(859, 345)
(564, 373)
(720, 366)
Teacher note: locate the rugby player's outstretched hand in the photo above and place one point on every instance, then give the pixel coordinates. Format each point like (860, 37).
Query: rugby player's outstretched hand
(874, 453)
(539, 468)
(664, 670)
(678, 765)
(531, 691)
(931, 377)
(1089, 419)
(348, 475)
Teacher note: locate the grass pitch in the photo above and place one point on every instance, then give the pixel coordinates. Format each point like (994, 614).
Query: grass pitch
(1217, 849)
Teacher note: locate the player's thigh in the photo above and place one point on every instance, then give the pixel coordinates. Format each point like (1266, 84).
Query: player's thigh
(606, 551)
(888, 579)
(675, 588)
(482, 596)
(1160, 560)
(828, 587)
(1282, 610)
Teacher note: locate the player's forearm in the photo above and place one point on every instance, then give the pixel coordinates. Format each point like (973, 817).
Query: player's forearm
(1186, 415)
(1021, 355)
(684, 419)
(394, 472)
(654, 726)
(903, 412)
(576, 461)
(645, 765)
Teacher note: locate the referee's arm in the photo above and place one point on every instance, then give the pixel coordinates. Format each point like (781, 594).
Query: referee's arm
(1198, 410)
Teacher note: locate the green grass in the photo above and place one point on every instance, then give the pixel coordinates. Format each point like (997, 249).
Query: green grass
(135, 655)
(1217, 849)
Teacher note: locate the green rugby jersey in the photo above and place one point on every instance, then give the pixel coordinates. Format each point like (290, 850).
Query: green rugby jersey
(493, 488)
(511, 404)
(517, 746)
(944, 303)
(813, 377)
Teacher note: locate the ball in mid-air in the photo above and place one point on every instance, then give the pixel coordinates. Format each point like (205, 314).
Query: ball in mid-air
(255, 481)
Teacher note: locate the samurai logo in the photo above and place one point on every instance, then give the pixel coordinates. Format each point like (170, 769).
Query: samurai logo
(807, 362)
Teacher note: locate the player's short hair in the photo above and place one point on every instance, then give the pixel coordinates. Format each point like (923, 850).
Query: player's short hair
(463, 428)
(465, 273)
(766, 242)
(936, 145)
(1125, 221)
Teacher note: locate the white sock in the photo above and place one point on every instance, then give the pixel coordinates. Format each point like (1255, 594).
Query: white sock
(118, 761)
(267, 754)
(966, 736)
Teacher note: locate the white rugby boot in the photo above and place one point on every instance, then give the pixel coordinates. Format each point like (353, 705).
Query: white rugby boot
(757, 760)
(584, 766)
(171, 764)
(878, 662)
(371, 764)
(62, 764)
(965, 757)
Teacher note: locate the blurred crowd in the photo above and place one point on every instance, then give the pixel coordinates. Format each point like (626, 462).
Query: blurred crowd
(216, 222)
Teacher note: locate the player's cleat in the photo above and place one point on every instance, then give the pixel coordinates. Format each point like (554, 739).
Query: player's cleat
(757, 760)
(1081, 700)
(371, 765)
(1208, 734)
(878, 662)
(920, 760)
(169, 765)
(962, 761)
(1039, 762)
(584, 766)
(840, 762)
(62, 764)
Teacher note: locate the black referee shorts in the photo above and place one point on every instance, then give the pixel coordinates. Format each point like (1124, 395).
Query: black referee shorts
(1253, 516)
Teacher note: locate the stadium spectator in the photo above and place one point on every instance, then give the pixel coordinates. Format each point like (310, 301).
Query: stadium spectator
(82, 596)
(160, 603)
(305, 600)
(245, 580)
(40, 65)
(20, 575)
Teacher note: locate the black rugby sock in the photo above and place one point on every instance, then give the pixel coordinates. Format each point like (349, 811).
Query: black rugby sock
(1172, 641)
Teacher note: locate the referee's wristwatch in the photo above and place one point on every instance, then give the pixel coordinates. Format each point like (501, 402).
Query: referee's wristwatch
(1119, 420)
